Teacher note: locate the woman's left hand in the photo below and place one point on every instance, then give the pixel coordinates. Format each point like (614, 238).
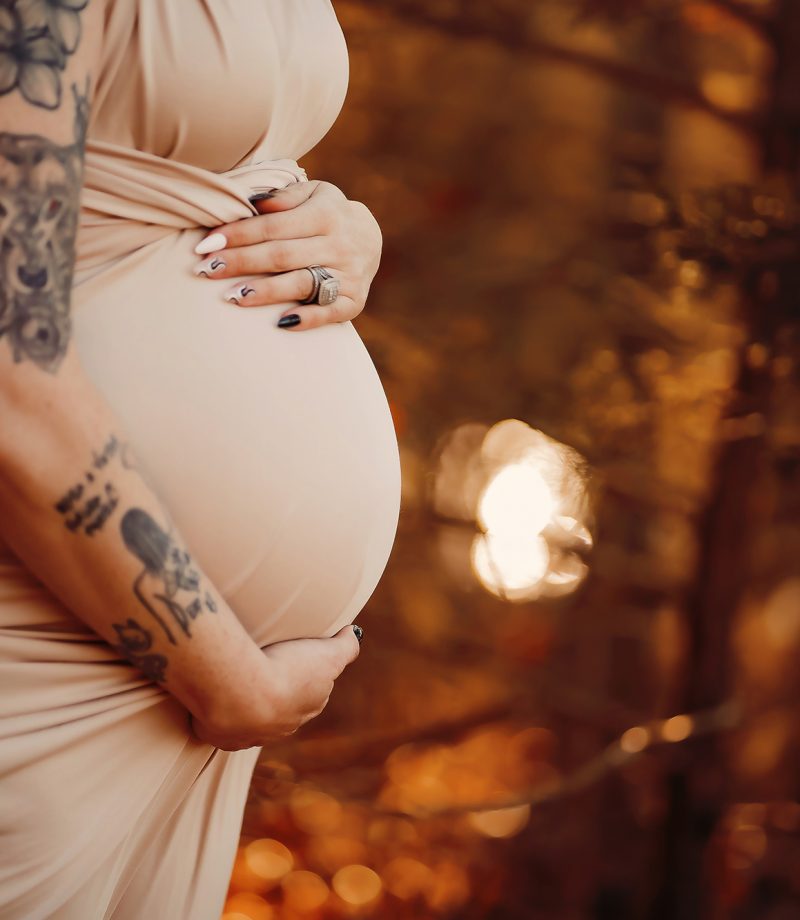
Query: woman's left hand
(308, 223)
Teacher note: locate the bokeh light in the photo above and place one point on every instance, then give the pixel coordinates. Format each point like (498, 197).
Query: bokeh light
(516, 502)
(635, 739)
(304, 891)
(502, 822)
(527, 494)
(508, 566)
(677, 728)
(268, 859)
(247, 906)
(357, 885)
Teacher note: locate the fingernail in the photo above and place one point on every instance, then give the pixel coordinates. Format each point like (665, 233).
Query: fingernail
(212, 243)
(286, 321)
(234, 295)
(262, 196)
(358, 631)
(209, 266)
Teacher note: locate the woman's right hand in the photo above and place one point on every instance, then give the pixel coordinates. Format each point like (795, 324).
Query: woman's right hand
(300, 677)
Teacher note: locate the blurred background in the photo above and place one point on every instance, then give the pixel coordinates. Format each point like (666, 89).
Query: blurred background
(578, 693)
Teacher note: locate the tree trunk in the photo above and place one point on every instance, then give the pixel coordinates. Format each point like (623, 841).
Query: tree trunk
(698, 789)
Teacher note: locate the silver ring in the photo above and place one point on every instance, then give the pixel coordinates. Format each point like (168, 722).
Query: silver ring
(326, 287)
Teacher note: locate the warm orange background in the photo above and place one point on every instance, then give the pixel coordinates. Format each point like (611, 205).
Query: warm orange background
(591, 618)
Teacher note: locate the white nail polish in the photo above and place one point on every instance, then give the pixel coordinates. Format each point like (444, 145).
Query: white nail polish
(212, 243)
(209, 266)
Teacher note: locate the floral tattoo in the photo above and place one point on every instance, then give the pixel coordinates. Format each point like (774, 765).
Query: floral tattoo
(36, 39)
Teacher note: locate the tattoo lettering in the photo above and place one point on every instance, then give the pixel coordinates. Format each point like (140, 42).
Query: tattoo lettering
(88, 504)
(110, 449)
(168, 583)
(135, 643)
(39, 193)
(36, 39)
(93, 512)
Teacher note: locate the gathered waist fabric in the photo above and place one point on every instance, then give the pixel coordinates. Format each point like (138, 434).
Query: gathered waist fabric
(131, 199)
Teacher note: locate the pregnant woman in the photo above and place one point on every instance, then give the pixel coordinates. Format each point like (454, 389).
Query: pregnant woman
(199, 482)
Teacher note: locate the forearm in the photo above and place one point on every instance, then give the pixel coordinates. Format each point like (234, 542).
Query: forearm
(72, 504)
(79, 513)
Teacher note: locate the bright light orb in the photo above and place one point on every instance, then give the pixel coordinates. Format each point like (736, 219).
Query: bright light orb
(517, 502)
(508, 566)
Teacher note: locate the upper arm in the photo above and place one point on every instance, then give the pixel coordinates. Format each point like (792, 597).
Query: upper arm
(49, 53)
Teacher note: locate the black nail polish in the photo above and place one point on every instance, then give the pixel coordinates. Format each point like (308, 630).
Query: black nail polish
(286, 321)
(262, 196)
(358, 631)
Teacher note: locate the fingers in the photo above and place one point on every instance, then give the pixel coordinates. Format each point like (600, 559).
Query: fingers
(246, 231)
(285, 199)
(309, 316)
(300, 210)
(286, 225)
(296, 285)
(258, 292)
(308, 223)
(268, 258)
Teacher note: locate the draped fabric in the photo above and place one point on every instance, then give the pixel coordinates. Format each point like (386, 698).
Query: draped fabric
(273, 452)
(132, 198)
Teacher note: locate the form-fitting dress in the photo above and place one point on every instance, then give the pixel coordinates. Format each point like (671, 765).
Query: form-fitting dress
(273, 451)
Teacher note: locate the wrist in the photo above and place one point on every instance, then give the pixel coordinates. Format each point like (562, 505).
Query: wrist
(241, 698)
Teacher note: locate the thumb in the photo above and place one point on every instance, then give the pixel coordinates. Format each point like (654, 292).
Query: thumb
(270, 201)
(346, 648)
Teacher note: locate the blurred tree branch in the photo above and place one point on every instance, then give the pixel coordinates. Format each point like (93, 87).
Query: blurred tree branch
(618, 753)
(327, 753)
(632, 9)
(746, 16)
(513, 31)
(708, 722)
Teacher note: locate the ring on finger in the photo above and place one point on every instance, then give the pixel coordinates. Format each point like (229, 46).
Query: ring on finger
(325, 289)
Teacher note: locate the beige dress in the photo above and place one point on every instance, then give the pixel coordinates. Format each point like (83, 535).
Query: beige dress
(273, 451)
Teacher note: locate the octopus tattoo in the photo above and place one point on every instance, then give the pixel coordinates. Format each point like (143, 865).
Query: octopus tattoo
(168, 583)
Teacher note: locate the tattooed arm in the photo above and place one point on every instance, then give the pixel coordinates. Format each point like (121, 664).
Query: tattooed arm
(73, 505)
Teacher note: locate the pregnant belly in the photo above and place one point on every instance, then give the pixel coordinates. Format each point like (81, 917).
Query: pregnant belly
(274, 451)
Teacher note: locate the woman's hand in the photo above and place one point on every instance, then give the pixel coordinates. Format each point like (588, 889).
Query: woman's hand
(309, 223)
(299, 679)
